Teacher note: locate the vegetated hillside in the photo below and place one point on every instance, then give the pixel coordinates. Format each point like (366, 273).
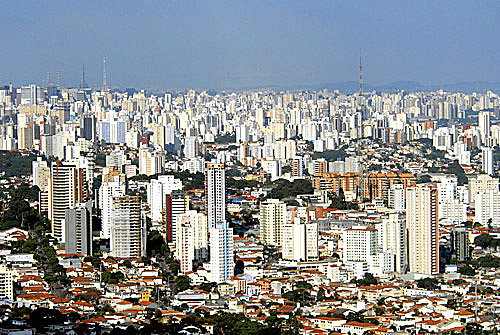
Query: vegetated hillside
(13, 163)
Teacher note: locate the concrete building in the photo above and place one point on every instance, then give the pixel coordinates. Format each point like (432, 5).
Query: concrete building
(157, 192)
(423, 231)
(67, 187)
(108, 190)
(272, 220)
(300, 241)
(6, 283)
(221, 252)
(78, 229)
(128, 233)
(215, 193)
(191, 239)
(488, 208)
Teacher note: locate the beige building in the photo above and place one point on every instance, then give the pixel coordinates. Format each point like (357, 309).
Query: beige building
(423, 230)
(272, 220)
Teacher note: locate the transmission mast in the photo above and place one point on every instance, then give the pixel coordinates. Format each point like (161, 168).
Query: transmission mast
(104, 72)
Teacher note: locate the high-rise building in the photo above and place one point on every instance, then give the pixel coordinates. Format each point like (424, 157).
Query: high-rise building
(272, 220)
(393, 237)
(67, 187)
(191, 239)
(488, 208)
(191, 147)
(88, 127)
(78, 229)
(396, 197)
(176, 203)
(215, 193)
(300, 241)
(423, 230)
(6, 283)
(460, 244)
(221, 252)
(184, 249)
(484, 125)
(128, 233)
(113, 188)
(487, 160)
(297, 167)
(480, 183)
(41, 173)
(157, 192)
(360, 244)
(452, 210)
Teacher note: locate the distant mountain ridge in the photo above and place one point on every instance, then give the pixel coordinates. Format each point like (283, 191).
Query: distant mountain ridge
(353, 87)
(411, 86)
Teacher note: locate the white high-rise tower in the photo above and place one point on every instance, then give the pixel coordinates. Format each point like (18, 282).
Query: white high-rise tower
(221, 252)
(215, 185)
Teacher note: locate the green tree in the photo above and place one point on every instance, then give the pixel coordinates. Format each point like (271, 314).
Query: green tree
(182, 283)
(484, 241)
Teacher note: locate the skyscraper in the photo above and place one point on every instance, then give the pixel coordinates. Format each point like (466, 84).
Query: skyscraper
(108, 190)
(67, 187)
(272, 220)
(423, 230)
(221, 252)
(78, 229)
(460, 244)
(484, 125)
(488, 208)
(128, 234)
(396, 195)
(176, 203)
(300, 240)
(487, 160)
(157, 192)
(215, 193)
(393, 237)
(191, 239)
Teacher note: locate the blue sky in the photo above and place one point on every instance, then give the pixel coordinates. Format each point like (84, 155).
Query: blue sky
(239, 44)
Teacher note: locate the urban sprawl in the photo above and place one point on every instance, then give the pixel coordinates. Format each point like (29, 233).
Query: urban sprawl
(248, 212)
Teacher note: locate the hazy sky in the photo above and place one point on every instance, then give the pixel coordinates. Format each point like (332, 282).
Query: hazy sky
(248, 43)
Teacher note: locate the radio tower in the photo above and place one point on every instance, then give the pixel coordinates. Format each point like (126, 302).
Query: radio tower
(104, 72)
(360, 74)
(83, 84)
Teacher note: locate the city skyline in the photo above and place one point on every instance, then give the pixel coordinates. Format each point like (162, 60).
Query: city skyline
(222, 45)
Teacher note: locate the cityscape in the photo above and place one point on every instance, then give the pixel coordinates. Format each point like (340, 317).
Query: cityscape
(295, 209)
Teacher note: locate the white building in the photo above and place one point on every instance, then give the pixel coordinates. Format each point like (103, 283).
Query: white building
(393, 238)
(300, 241)
(191, 239)
(128, 233)
(157, 194)
(488, 208)
(453, 210)
(215, 188)
(6, 283)
(221, 252)
(396, 197)
(487, 160)
(107, 191)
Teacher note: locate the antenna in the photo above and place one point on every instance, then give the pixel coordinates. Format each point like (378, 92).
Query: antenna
(104, 72)
(360, 74)
(83, 84)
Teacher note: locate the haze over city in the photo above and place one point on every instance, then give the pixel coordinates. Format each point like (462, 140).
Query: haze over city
(250, 167)
(250, 44)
